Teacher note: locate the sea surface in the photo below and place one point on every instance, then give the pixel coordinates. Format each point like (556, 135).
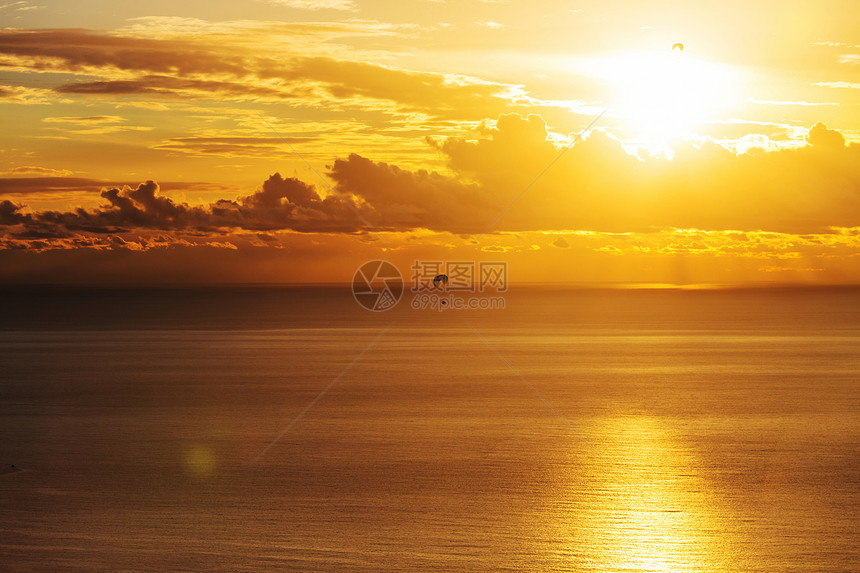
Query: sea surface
(267, 429)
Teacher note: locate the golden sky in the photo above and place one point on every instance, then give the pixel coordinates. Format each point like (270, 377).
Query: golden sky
(291, 140)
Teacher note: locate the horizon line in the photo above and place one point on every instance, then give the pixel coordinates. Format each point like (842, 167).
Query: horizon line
(571, 285)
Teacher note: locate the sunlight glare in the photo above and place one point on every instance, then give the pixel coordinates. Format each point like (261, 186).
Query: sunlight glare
(662, 96)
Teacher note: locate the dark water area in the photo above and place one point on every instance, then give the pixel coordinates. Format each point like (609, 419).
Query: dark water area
(273, 307)
(265, 428)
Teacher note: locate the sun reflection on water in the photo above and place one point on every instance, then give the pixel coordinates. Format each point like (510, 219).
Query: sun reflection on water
(644, 507)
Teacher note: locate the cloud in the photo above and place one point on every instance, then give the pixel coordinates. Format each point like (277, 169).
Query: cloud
(820, 136)
(22, 95)
(279, 204)
(190, 67)
(35, 170)
(177, 87)
(734, 129)
(19, 6)
(52, 184)
(40, 185)
(782, 102)
(74, 50)
(596, 185)
(85, 120)
(398, 199)
(9, 213)
(316, 4)
(232, 146)
(95, 124)
(843, 85)
(143, 105)
(729, 243)
(491, 24)
(296, 36)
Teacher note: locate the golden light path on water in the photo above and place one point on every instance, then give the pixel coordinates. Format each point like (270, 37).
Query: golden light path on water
(650, 509)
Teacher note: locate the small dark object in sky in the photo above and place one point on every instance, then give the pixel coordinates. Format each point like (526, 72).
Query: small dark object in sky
(440, 279)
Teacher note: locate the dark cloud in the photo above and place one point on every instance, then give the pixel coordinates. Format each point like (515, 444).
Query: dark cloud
(279, 204)
(293, 204)
(10, 215)
(195, 68)
(231, 146)
(398, 199)
(415, 90)
(76, 50)
(29, 185)
(53, 185)
(174, 86)
(87, 119)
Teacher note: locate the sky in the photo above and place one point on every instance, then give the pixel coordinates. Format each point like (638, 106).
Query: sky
(283, 141)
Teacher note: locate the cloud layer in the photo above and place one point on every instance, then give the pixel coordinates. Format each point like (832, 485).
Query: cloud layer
(596, 185)
(188, 67)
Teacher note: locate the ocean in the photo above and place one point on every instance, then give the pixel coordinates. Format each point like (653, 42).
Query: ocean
(287, 428)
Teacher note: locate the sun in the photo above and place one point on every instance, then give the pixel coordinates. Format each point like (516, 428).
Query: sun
(663, 96)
